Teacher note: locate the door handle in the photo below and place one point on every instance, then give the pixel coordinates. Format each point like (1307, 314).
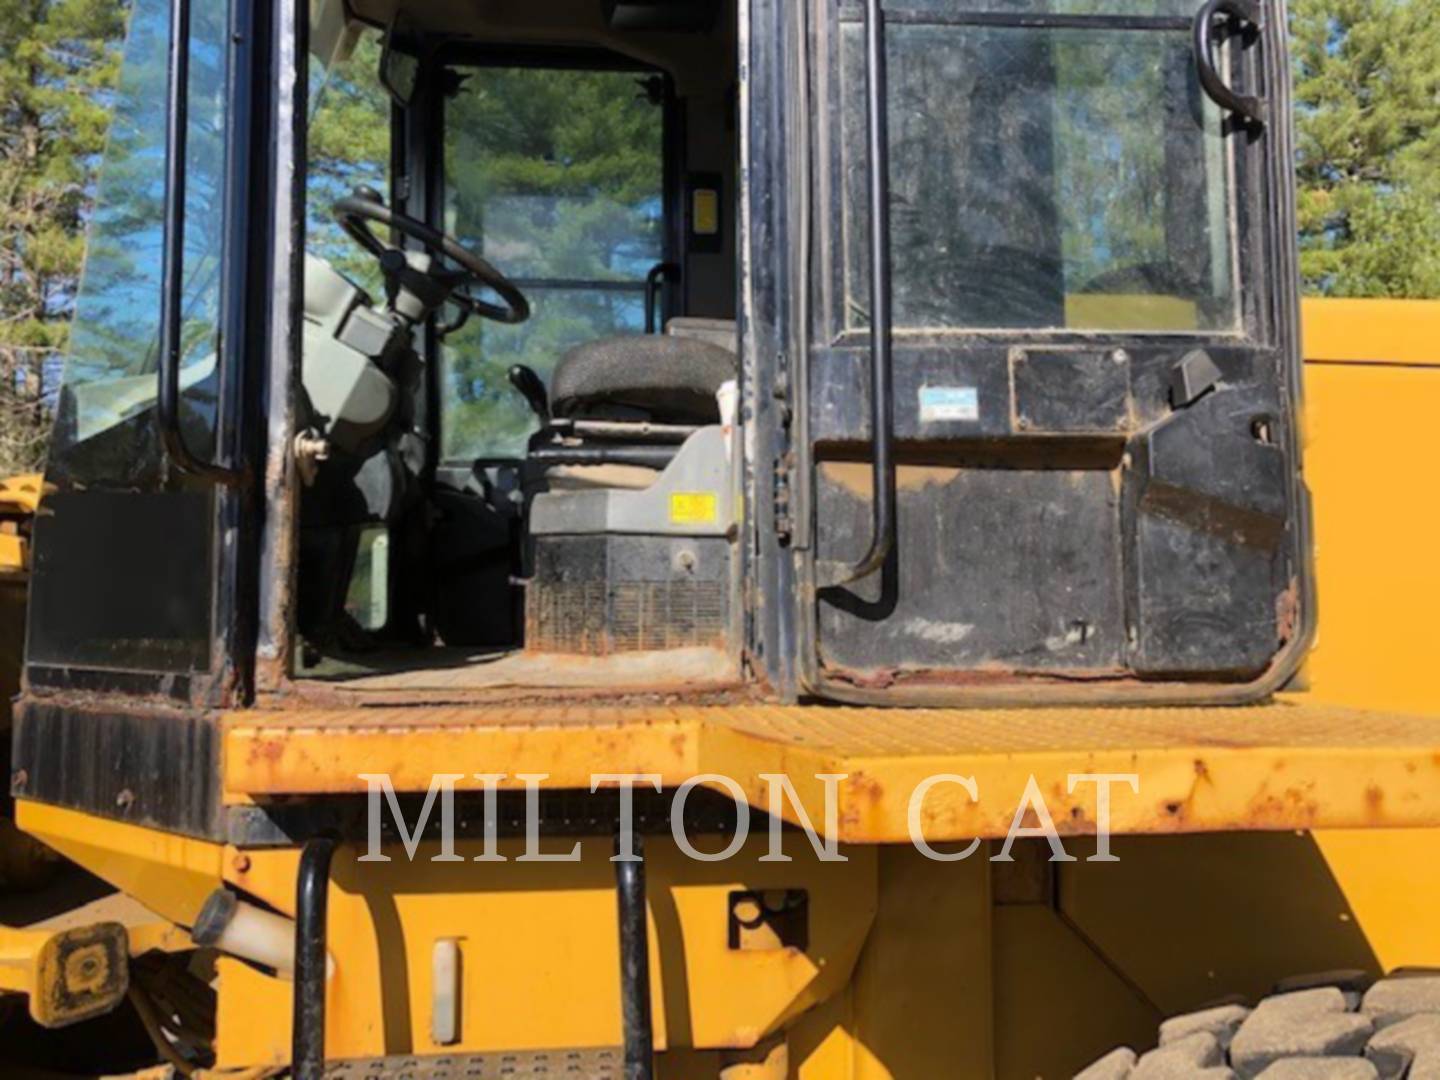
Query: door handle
(1242, 12)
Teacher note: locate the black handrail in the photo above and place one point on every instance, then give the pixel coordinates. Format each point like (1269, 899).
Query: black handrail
(1242, 11)
(172, 298)
(312, 891)
(635, 965)
(660, 271)
(882, 433)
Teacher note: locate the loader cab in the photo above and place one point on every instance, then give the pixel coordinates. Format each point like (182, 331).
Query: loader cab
(927, 352)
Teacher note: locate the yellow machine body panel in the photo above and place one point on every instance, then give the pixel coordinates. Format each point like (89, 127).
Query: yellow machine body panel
(1372, 384)
(1291, 765)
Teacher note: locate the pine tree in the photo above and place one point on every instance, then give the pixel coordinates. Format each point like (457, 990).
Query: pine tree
(1367, 76)
(58, 59)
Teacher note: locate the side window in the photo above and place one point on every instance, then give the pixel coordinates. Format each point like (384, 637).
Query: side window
(124, 551)
(1057, 176)
(105, 434)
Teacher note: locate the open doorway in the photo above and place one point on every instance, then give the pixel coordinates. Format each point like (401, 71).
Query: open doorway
(521, 356)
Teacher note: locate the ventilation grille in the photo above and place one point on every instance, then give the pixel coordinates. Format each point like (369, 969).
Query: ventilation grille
(592, 619)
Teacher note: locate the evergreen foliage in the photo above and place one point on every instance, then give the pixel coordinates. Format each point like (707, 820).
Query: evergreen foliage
(59, 60)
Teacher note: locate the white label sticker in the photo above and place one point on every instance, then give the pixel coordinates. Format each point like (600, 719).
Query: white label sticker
(938, 403)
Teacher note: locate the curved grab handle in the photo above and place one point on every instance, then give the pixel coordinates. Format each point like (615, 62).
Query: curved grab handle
(172, 289)
(1242, 11)
(662, 271)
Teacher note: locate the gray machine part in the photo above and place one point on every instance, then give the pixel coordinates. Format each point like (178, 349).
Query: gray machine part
(721, 332)
(646, 570)
(694, 496)
(350, 395)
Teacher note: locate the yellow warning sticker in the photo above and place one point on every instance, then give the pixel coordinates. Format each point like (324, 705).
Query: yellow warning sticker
(693, 508)
(705, 212)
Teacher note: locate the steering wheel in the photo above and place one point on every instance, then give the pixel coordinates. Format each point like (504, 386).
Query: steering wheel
(356, 213)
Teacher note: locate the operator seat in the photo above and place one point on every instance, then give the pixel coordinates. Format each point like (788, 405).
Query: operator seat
(671, 378)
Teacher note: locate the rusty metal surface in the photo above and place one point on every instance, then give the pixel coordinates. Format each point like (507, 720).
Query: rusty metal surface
(541, 1065)
(681, 669)
(1286, 765)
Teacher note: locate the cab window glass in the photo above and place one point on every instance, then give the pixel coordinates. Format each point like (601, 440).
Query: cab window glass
(1060, 177)
(104, 430)
(557, 176)
(348, 147)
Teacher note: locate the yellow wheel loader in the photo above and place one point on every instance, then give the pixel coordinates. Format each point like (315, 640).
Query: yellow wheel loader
(723, 539)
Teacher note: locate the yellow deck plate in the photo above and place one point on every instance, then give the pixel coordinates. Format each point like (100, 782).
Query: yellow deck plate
(1294, 764)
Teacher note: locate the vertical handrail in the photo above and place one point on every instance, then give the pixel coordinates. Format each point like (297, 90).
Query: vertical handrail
(172, 287)
(662, 271)
(635, 964)
(312, 894)
(882, 433)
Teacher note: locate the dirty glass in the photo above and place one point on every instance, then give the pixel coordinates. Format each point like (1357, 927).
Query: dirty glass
(104, 427)
(556, 176)
(1042, 177)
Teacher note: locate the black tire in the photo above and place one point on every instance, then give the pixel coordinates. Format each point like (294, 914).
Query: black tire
(1336, 1026)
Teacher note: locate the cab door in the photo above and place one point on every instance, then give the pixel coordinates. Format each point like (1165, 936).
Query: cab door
(138, 591)
(1044, 358)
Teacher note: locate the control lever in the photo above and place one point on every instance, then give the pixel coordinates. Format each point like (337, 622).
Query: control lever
(532, 389)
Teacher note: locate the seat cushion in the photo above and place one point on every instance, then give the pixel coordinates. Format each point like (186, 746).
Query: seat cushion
(671, 379)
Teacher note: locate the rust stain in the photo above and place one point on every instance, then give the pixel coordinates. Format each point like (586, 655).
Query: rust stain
(1287, 612)
(322, 695)
(865, 787)
(1294, 807)
(1375, 801)
(995, 676)
(268, 749)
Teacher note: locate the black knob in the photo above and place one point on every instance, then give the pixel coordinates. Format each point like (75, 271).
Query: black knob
(532, 389)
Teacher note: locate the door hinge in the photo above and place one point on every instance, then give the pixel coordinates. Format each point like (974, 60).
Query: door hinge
(784, 522)
(785, 461)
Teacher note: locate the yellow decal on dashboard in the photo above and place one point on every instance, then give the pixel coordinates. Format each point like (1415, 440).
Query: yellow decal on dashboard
(693, 508)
